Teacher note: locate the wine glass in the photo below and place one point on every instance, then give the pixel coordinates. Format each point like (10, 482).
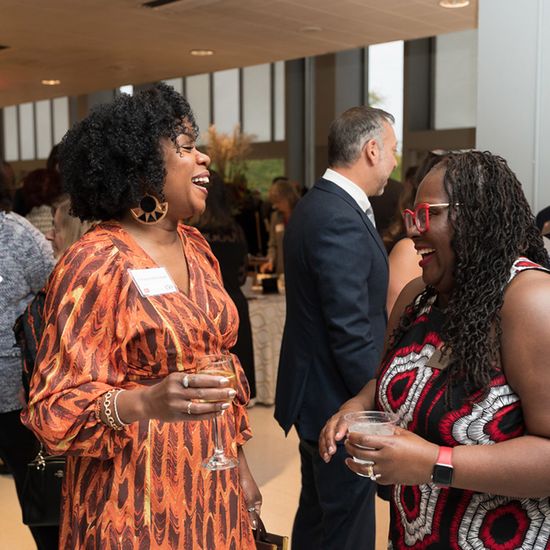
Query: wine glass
(218, 365)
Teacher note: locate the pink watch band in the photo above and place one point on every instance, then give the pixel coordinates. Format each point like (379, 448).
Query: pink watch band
(445, 456)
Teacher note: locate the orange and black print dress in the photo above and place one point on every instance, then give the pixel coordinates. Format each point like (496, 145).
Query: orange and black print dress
(142, 487)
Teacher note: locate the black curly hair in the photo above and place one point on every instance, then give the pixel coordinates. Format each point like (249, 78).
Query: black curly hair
(110, 159)
(493, 225)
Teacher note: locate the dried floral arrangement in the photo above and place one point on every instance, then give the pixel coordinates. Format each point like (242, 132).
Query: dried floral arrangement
(228, 152)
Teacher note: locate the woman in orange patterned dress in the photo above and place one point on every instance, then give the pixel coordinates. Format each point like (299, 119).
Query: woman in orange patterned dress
(114, 388)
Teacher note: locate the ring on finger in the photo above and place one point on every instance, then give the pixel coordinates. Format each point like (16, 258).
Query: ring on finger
(370, 471)
(189, 407)
(185, 381)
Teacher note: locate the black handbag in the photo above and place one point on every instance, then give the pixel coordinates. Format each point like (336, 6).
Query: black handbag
(268, 541)
(42, 490)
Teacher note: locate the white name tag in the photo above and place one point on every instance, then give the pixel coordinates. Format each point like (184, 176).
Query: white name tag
(152, 282)
(1, 278)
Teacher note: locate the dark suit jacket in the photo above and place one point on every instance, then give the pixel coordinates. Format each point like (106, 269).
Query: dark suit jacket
(336, 278)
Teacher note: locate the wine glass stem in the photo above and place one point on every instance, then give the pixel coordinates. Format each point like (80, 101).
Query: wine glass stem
(218, 450)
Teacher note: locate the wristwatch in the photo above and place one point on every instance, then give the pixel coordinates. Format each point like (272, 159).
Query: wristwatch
(442, 473)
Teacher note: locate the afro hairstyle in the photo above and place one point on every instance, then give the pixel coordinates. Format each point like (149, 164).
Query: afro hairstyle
(111, 158)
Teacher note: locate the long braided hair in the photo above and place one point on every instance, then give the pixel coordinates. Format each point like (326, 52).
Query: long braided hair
(493, 225)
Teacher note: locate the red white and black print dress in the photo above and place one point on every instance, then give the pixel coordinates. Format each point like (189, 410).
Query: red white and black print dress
(428, 517)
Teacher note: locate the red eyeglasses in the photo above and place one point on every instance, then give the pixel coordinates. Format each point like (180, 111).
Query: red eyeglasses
(420, 218)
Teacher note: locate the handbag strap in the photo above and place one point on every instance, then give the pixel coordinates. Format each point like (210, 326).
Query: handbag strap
(39, 461)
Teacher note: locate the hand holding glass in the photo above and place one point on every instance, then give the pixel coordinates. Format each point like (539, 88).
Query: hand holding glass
(370, 423)
(218, 365)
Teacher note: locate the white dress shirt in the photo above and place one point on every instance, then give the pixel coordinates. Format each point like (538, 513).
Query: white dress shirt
(353, 190)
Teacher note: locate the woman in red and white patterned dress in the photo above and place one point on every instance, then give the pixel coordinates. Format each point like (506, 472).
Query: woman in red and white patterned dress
(466, 371)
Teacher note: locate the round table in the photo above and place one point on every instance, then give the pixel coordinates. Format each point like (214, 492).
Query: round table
(267, 317)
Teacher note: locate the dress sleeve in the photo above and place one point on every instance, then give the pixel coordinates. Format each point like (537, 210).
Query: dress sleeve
(242, 425)
(243, 430)
(78, 359)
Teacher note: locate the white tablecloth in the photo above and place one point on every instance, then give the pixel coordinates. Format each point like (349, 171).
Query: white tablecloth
(267, 317)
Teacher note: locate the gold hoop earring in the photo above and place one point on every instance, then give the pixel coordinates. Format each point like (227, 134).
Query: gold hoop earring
(150, 210)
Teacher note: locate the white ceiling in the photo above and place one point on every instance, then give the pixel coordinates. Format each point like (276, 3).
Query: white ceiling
(100, 44)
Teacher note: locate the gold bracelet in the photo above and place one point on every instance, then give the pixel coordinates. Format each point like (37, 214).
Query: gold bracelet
(108, 412)
(115, 409)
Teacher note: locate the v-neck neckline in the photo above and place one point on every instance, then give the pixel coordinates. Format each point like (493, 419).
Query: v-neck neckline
(143, 253)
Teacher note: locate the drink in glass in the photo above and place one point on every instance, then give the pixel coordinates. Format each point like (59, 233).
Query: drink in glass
(370, 423)
(218, 365)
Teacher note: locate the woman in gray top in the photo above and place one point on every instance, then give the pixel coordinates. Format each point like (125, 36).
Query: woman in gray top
(26, 259)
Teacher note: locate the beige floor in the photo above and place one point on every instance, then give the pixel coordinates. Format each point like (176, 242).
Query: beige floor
(272, 458)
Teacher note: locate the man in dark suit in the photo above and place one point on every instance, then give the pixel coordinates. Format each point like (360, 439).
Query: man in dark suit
(336, 277)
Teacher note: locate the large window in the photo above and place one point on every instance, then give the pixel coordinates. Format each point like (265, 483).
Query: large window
(257, 101)
(253, 97)
(456, 80)
(197, 90)
(260, 173)
(385, 80)
(226, 100)
(31, 129)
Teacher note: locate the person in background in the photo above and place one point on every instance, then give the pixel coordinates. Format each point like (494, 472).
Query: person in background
(52, 163)
(21, 204)
(130, 309)
(9, 174)
(5, 205)
(66, 229)
(402, 256)
(466, 371)
(247, 207)
(392, 230)
(300, 188)
(385, 205)
(267, 208)
(40, 188)
(396, 229)
(409, 179)
(543, 223)
(336, 277)
(26, 260)
(228, 243)
(282, 195)
(5, 188)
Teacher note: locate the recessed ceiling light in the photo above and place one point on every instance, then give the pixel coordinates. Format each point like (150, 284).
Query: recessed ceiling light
(202, 53)
(454, 3)
(311, 28)
(51, 82)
